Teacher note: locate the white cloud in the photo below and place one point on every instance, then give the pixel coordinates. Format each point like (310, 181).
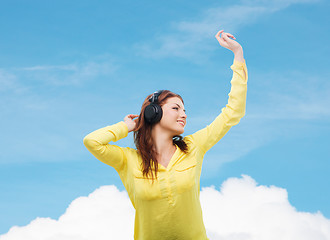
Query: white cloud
(241, 209)
(104, 214)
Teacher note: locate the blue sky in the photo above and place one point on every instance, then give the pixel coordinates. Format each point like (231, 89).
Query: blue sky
(70, 67)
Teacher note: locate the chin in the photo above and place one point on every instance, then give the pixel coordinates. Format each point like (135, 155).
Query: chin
(180, 132)
(177, 133)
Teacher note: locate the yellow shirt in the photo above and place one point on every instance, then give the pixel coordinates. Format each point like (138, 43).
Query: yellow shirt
(170, 208)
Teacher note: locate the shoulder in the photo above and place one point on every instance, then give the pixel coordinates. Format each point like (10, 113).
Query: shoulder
(189, 140)
(129, 150)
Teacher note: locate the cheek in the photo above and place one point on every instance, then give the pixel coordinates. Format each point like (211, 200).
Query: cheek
(169, 117)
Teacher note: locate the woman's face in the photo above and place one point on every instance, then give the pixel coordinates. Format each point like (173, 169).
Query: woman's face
(174, 116)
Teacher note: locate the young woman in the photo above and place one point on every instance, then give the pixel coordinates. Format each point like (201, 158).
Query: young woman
(162, 176)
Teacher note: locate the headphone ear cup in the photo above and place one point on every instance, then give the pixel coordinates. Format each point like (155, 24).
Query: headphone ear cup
(159, 114)
(153, 113)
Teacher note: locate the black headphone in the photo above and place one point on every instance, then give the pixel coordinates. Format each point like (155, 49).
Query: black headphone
(153, 112)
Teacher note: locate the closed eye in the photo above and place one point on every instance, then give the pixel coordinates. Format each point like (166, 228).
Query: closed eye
(178, 107)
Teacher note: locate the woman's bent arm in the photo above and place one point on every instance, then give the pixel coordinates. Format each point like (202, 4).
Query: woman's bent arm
(97, 143)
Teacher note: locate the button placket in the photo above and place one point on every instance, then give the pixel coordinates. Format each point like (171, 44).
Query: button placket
(168, 187)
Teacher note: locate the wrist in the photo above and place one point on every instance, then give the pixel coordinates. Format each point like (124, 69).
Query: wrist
(239, 54)
(238, 50)
(127, 125)
(130, 128)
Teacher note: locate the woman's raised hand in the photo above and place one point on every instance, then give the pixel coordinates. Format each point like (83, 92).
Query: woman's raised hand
(227, 40)
(130, 122)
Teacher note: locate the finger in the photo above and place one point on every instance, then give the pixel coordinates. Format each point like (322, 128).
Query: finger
(233, 38)
(230, 35)
(220, 40)
(225, 37)
(218, 34)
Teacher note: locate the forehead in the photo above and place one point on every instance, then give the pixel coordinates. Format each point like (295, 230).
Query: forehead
(174, 100)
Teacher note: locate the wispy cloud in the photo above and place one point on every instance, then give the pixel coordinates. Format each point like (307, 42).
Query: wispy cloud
(276, 4)
(65, 75)
(290, 96)
(26, 86)
(240, 209)
(9, 82)
(189, 39)
(25, 79)
(40, 98)
(279, 105)
(72, 67)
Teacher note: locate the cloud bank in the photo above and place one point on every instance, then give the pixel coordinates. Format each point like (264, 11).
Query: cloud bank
(240, 210)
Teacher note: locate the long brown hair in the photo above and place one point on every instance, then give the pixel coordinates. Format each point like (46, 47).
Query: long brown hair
(143, 138)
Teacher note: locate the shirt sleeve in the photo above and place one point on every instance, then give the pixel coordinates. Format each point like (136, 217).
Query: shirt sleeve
(97, 143)
(231, 114)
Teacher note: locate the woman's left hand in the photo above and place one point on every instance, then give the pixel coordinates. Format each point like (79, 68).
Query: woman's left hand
(227, 40)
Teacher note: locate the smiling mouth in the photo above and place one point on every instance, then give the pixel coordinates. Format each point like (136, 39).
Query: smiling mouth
(182, 123)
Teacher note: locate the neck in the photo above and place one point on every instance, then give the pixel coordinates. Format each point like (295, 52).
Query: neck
(163, 141)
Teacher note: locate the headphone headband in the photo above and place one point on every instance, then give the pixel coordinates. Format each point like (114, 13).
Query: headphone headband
(154, 97)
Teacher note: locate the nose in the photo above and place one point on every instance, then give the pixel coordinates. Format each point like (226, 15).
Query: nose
(183, 115)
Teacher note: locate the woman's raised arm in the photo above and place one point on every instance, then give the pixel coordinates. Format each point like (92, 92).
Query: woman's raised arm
(235, 108)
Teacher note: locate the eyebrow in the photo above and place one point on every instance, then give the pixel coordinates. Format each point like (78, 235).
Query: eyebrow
(180, 107)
